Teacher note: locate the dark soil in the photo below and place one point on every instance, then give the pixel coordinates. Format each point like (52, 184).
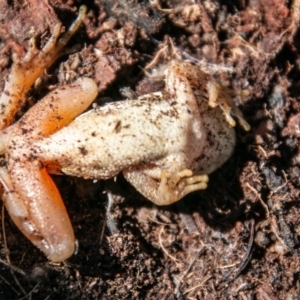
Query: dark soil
(239, 239)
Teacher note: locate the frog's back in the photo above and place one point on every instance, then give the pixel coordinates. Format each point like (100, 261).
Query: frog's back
(104, 141)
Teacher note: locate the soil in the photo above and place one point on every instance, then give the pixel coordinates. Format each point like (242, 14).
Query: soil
(239, 239)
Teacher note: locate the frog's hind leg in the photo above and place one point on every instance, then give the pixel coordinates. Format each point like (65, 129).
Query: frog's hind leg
(170, 188)
(30, 195)
(58, 108)
(34, 204)
(52, 113)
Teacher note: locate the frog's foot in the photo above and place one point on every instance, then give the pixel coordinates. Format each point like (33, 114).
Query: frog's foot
(25, 72)
(170, 188)
(222, 97)
(173, 187)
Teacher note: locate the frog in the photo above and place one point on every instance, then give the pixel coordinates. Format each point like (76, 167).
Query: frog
(165, 143)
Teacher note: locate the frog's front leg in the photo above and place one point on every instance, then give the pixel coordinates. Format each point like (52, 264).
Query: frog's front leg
(24, 73)
(170, 188)
(222, 97)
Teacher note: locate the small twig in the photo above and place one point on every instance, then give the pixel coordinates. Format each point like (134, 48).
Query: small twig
(264, 205)
(243, 296)
(7, 253)
(205, 66)
(30, 292)
(165, 250)
(154, 61)
(262, 151)
(9, 285)
(110, 220)
(102, 232)
(295, 7)
(16, 269)
(244, 261)
(274, 228)
(281, 186)
(4, 235)
(198, 285)
(186, 271)
(229, 266)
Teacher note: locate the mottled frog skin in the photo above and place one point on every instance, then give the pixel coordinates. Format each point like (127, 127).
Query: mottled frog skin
(165, 143)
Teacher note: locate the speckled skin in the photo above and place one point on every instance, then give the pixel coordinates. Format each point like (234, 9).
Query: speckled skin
(30, 196)
(173, 131)
(164, 143)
